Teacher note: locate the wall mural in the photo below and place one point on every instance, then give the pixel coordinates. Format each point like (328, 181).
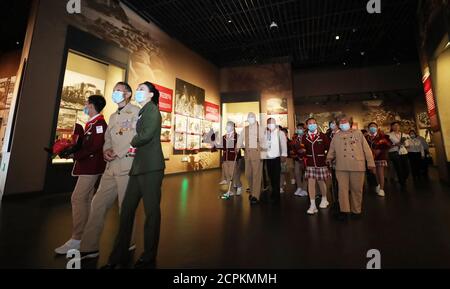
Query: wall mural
(110, 21)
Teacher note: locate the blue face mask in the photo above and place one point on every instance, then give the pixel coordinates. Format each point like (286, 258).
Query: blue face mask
(140, 96)
(118, 97)
(312, 127)
(86, 110)
(300, 131)
(333, 126)
(345, 127)
(373, 129)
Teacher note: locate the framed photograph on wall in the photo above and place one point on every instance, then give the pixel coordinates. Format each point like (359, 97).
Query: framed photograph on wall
(277, 106)
(181, 123)
(189, 99)
(180, 141)
(193, 142)
(166, 135)
(194, 126)
(166, 119)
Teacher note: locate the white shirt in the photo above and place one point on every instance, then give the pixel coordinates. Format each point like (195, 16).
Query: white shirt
(414, 145)
(395, 139)
(275, 144)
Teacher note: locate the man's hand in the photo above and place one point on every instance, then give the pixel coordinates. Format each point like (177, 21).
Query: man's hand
(373, 170)
(109, 155)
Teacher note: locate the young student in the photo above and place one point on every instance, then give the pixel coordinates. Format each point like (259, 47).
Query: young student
(316, 144)
(380, 145)
(298, 153)
(89, 166)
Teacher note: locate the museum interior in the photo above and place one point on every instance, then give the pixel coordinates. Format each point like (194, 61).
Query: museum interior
(214, 61)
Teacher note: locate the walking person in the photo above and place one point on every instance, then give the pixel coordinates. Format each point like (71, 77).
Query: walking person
(298, 153)
(352, 154)
(89, 166)
(316, 145)
(398, 153)
(275, 153)
(250, 141)
(285, 167)
(379, 144)
(231, 157)
(425, 161)
(332, 131)
(416, 154)
(146, 176)
(113, 184)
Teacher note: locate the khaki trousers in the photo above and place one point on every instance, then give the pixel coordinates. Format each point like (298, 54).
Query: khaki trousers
(253, 172)
(81, 203)
(352, 182)
(232, 172)
(111, 188)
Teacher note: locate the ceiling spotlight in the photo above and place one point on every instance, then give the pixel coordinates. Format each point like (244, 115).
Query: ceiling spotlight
(17, 43)
(229, 21)
(344, 63)
(338, 37)
(354, 30)
(274, 25)
(363, 53)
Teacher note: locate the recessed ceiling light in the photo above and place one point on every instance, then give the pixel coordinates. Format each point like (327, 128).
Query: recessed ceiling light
(338, 37)
(344, 63)
(273, 25)
(17, 42)
(229, 21)
(354, 30)
(363, 53)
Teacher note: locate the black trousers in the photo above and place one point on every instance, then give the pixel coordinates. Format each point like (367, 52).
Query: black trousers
(415, 161)
(274, 172)
(148, 188)
(401, 166)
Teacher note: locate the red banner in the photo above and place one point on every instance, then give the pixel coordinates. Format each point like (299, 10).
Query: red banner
(165, 98)
(212, 112)
(431, 104)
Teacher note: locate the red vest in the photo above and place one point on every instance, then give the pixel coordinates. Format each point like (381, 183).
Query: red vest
(89, 158)
(380, 144)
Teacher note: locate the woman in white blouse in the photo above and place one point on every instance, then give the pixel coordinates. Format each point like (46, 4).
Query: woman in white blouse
(398, 154)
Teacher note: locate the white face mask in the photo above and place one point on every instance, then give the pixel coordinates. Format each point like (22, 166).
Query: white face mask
(271, 126)
(251, 120)
(230, 129)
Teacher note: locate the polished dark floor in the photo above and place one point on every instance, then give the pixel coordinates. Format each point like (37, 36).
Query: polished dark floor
(199, 230)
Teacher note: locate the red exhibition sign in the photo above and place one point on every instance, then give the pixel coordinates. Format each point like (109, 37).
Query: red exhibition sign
(212, 112)
(431, 104)
(165, 98)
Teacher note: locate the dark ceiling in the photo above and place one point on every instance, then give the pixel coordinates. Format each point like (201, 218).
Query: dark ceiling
(237, 32)
(13, 24)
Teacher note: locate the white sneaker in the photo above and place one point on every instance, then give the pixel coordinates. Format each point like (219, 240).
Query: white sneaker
(292, 181)
(298, 192)
(324, 204)
(69, 245)
(223, 182)
(312, 210)
(381, 193)
(239, 191)
(281, 191)
(377, 189)
(303, 193)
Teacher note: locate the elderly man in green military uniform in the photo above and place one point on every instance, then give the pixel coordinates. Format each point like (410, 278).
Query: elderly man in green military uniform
(118, 136)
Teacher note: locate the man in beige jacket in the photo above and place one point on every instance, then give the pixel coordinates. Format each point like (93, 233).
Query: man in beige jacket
(250, 141)
(120, 132)
(351, 151)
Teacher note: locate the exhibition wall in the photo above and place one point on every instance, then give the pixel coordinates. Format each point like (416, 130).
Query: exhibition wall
(154, 56)
(273, 82)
